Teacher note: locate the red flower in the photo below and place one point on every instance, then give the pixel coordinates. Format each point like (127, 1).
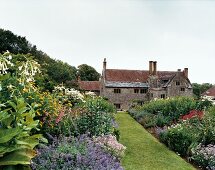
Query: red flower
(192, 114)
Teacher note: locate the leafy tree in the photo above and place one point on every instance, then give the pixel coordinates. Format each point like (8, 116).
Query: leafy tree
(198, 89)
(61, 72)
(13, 43)
(54, 71)
(87, 73)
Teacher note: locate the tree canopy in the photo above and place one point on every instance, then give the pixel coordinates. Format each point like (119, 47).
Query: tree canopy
(54, 71)
(198, 89)
(88, 73)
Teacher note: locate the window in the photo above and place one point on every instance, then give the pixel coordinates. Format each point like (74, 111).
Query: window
(143, 90)
(182, 89)
(136, 90)
(117, 105)
(151, 94)
(177, 83)
(117, 90)
(163, 96)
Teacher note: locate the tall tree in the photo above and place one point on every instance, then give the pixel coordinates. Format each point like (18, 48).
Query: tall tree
(54, 71)
(61, 72)
(198, 89)
(88, 73)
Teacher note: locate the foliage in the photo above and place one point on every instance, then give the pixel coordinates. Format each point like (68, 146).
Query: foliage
(179, 138)
(17, 116)
(165, 112)
(92, 115)
(96, 118)
(87, 73)
(198, 89)
(54, 71)
(186, 135)
(75, 153)
(204, 156)
(17, 143)
(61, 72)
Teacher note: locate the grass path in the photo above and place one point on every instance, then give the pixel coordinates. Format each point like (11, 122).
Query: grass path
(144, 152)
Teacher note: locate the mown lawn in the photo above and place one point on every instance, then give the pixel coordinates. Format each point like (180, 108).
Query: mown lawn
(144, 152)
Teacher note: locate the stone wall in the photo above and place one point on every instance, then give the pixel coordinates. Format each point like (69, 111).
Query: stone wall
(125, 98)
(175, 90)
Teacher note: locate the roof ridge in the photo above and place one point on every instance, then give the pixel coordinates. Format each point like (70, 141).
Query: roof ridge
(139, 70)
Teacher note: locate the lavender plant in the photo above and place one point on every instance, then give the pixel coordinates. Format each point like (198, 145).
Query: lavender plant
(69, 153)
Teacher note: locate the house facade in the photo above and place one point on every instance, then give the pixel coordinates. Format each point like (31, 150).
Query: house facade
(124, 87)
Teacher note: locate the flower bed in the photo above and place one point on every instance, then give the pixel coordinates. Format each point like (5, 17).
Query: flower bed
(190, 133)
(25, 109)
(76, 153)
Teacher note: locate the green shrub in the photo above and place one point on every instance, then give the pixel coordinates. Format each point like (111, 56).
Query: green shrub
(166, 111)
(17, 142)
(148, 120)
(17, 116)
(94, 116)
(162, 121)
(179, 139)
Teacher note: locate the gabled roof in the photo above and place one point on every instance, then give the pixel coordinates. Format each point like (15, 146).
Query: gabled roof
(126, 75)
(209, 92)
(89, 85)
(118, 75)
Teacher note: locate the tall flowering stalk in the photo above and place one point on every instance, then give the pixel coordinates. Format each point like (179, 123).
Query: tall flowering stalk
(28, 70)
(5, 63)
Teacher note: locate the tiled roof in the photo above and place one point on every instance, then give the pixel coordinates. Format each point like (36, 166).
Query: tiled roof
(210, 92)
(126, 75)
(116, 75)
(89, 85)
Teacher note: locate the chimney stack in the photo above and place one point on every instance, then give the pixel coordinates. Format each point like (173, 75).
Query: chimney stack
(104, 64)
(186, 72)
(150, 67)
(154, 67)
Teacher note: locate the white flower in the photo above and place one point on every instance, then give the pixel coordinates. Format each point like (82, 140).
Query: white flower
(20, 68)
(10, 86)
(9, 57)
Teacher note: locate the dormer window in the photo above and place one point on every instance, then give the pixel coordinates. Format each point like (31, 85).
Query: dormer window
(177, 83)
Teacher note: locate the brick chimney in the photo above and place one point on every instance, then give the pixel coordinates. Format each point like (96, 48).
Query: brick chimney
(154, 67)
(104, 64)
(150, 67)
(104, 69)
(185, 72)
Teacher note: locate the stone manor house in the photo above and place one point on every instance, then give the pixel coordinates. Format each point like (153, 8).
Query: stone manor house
(124, 87)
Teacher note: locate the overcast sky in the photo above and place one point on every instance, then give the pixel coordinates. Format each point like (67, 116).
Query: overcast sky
(129, 33)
